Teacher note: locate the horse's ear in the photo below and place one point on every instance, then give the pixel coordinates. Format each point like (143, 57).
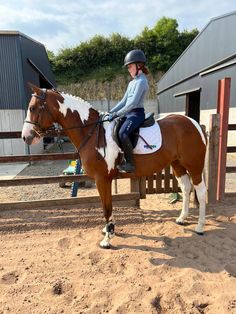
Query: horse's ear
(34, 88)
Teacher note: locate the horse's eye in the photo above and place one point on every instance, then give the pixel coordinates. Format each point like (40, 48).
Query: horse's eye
(31, 109)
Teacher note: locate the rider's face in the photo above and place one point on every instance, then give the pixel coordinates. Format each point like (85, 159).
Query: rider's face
(132, 69)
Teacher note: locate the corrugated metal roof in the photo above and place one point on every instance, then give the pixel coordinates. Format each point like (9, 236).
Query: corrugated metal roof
(210, 46)
(15, 70)
(9, 73)
(17, 33)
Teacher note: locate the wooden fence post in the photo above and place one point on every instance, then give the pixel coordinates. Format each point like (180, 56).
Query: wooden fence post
(213, 154)
(223, 110)
(134, 187)
(142, 187)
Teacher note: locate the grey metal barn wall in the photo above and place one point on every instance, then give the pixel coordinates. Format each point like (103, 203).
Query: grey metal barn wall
(210, 87)
(11, 95)
(15, 72)
(36, 52)
(214, 43)
(208, 95)
(10, 73)
(213, 51)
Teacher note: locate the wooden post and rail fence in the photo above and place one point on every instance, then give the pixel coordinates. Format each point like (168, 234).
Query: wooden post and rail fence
(162, 182)
(218, 149)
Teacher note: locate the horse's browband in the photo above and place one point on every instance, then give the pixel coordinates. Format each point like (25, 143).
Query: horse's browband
(42, 95)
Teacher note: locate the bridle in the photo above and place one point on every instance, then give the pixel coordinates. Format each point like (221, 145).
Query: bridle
(42, 107)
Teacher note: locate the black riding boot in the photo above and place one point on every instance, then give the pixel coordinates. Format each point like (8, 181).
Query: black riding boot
(128, 164)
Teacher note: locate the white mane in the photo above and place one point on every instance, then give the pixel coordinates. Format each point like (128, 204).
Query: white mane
(75, 104)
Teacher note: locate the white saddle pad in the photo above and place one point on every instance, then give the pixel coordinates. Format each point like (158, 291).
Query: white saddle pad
(152, 135)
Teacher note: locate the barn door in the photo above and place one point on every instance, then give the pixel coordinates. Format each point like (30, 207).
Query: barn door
(192, 108)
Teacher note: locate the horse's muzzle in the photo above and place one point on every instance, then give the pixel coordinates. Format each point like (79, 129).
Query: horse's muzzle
(31, 139)
(28, 139)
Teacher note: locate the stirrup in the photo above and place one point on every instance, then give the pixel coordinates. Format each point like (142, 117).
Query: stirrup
(126, 167)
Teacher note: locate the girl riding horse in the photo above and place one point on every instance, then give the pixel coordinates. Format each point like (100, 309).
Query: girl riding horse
(131, 107)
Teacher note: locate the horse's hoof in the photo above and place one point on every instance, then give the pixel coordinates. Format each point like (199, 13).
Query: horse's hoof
(104, 244)
(200, 233)
(107, 246)
(180, 223)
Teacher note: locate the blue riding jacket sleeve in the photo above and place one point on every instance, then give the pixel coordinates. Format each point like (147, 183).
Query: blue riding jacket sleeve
(133, 97)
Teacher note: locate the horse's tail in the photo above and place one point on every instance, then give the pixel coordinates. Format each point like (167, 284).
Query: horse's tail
(203, 127)
(201, 130)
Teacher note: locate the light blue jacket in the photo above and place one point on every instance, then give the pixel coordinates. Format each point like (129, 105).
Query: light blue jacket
(134, 95)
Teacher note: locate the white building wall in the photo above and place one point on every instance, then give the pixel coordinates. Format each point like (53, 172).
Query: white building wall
(11, 121)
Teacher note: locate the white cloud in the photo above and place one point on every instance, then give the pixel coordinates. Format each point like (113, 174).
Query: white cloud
(65, 23)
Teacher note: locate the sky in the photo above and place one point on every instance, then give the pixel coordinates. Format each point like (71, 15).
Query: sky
(60, 24)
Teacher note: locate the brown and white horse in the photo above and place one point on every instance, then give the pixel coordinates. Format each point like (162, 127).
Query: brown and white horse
(183, 147)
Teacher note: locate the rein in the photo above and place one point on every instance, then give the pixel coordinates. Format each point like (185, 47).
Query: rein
(57, 130)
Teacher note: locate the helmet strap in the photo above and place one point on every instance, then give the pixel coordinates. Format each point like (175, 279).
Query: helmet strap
(137, 69)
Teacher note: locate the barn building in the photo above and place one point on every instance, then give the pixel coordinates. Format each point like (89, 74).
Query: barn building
(191, 83)
(22, 60)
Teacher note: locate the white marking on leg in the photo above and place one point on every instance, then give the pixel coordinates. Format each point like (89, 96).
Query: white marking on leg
(112, 219)
(201, 195)
(185, 185)
(105, 242)
(109, 234)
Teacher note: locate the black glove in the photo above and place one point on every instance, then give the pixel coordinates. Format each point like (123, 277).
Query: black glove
(112, 116)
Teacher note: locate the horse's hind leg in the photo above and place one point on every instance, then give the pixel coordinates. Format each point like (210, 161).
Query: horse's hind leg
(185, 185)
(200, 187)
(104, 189)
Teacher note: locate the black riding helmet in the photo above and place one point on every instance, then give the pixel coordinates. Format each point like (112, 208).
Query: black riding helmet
(135, 56)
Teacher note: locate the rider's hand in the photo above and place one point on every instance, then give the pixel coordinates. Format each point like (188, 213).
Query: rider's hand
(112, 116)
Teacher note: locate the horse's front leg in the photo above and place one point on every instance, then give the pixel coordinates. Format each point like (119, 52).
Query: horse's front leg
(104, 189)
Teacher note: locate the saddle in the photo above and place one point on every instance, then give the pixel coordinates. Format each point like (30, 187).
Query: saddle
(149, 121)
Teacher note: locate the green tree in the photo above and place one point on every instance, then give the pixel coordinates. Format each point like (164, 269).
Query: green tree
(186, 37)
(101, 57)
(167, 44)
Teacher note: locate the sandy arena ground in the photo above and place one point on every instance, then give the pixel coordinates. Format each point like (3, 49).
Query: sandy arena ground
(51, 261)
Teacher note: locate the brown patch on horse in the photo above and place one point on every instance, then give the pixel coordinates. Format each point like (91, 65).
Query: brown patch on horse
(58, 96)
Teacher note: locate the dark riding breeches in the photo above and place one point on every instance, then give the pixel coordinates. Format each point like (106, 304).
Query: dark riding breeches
(133, 120)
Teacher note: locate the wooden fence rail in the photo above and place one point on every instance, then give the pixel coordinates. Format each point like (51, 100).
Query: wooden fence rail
(129, 199)
(17, 134)
(45, 180)
(7, 135)
(38, 157)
